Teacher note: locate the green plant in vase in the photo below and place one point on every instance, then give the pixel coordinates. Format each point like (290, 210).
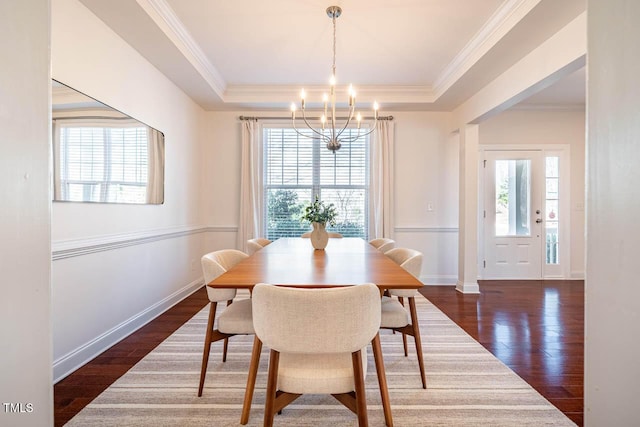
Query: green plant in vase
(319, 214)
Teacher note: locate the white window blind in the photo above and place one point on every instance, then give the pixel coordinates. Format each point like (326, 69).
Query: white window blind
(296, 169)
(103, 163)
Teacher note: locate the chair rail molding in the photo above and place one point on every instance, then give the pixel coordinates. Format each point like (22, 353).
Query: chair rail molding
(426, 229)
(78, 247)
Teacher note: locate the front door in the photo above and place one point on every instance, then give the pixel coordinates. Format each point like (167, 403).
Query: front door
(513, 204)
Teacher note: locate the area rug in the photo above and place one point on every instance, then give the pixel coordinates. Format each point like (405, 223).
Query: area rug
(466, 386)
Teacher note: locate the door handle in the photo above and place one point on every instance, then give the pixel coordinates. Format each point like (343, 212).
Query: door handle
(538, 221)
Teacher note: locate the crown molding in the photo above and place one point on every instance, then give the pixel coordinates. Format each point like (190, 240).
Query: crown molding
(501, 22)
(169, 23)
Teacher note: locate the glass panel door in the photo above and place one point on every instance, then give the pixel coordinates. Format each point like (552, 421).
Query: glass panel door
(513, 197)
(512, 215)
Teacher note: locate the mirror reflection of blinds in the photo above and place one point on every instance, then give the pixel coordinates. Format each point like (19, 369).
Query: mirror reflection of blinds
(103, 164)
(296, 169)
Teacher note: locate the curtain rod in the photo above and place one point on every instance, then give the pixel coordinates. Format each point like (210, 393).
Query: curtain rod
(256, 118)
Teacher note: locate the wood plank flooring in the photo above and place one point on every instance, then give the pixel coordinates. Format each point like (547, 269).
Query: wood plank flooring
(534, 327)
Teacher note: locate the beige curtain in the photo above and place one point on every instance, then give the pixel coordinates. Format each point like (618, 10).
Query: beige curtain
(155, 184)
(381, 197)
(249, 225)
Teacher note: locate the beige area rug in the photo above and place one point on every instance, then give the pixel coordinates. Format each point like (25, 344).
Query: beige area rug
(467, 386)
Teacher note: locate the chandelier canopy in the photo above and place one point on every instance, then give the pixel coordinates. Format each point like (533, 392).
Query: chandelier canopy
(332, 132)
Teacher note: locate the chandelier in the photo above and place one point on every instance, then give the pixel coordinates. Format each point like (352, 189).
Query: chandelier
(332, 133)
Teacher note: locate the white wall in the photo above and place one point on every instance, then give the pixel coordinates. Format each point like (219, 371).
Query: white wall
(426, 192)
(426, 173)
(117, 266)
(612, 348)
(25, 261)
(537, 127)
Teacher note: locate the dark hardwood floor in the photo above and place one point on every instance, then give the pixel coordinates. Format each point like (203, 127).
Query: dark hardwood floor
(535, 327)
(74, 392)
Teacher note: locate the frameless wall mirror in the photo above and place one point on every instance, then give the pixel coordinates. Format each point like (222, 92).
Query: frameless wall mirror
(102, 155)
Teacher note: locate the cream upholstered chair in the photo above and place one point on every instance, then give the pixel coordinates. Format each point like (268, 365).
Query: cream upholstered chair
(331, 234)
(383, 244)
(318, 340)
(394, 314)
(254, 245)
(235, 319)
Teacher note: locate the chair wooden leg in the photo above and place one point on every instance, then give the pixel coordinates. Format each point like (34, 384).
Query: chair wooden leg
(251, 380)
(272, 384)
(382, 380)
(404, 336)
(225, 346)
(207, 346)
(358, 378)
(416, 337)
(226, 340)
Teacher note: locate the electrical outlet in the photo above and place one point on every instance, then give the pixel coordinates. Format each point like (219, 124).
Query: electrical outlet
(193, 265)
(430, 206)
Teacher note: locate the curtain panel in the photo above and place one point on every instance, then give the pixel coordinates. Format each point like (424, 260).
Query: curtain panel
(249, 224)
(382, 185)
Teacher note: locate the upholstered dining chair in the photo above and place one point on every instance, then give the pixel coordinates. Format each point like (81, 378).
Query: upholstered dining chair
(331, 234)
(235, 319)
(254, 245)
(318, 340)
(394, 314)
(383, 244)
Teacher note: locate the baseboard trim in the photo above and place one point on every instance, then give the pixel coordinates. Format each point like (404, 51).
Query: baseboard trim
(75, 359)
(439, 280)
(468, 287)
(577, 275)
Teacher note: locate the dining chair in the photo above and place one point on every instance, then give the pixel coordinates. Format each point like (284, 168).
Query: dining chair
(235, 319)
(394, 314)
(383, 244)
(331, 234)
(318, 340)
(254, 245)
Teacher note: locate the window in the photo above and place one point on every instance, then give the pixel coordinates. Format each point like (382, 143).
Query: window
(552, 180)
(513, 194)
(103, 162)
(296, 169)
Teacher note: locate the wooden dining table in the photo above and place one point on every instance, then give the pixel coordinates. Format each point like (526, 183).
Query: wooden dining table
(294, 262)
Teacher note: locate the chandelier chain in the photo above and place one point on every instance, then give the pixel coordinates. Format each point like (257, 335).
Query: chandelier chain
(333, 68)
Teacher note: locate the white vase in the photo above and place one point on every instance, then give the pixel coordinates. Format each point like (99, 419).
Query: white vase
(319, 237)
